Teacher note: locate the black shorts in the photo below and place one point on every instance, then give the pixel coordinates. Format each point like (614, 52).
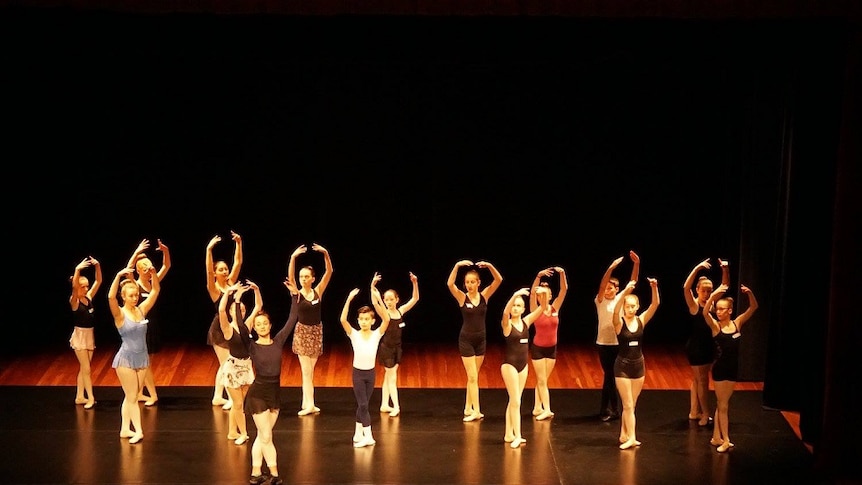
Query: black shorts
(472, 344)
(389, 356)
(538, 352)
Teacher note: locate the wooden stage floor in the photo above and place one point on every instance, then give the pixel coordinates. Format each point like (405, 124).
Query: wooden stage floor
(51, 440)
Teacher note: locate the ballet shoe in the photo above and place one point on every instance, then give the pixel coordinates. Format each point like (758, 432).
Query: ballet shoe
(219, 401)
(385, 409)
(473, 417)
(630, 444)
(693, 416)
(150, 403)
(545, 415)
(724, 447)
(517, 442)
(126, 434)
(227, 406)
(136, 439)
(80, 400)
(395, 412)
(232, 436)
(508, 439)
(537, 412)
(90, 404)
(241, 440)
(366, 441)
(715, 442)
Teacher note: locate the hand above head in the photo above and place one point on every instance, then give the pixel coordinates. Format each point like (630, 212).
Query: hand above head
(704, 264)
(375, 279)
(318, 248)
(83, 264)
(616, 262)
(483, 264)
(413, 277)
(634, 257)
(744, 289)
(630, 285)
(547, 272)
(125, 271)
(652, 282)
(464, 262)
(353, 293)
(236, 237)
(93, 261)
(299, 250)
(143, 245)
(723, 263)
(522, 292)
(162, 247)
(559, 269)
(215, 240)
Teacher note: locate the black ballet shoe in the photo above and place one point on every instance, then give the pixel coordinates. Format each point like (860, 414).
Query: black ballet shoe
(257, 480)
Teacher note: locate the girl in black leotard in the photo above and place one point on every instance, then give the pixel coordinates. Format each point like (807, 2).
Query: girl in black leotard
(471, 340)
(219, 278)
(83, 340)
(629, 367)
(516, 330)
(726, 333)
(700, 347)
(389, 351)
(308, 336)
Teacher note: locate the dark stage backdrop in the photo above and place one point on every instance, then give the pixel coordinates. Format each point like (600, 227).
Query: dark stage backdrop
(402, 144)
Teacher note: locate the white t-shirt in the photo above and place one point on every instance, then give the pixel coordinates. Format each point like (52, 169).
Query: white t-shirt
(365, 350)
(605, 310)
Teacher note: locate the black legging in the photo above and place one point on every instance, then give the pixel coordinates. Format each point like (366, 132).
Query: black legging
(363, 387)
(610, 396)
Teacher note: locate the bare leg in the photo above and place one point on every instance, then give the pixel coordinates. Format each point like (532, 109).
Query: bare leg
(131, 380)
(629, 390)
(543, 367)
(701, 387)
(472, 365)
(151, 396)
(390, 383)
(218, 392)
(307, 364)
(237, 427)
(84, 392)
(721, 433)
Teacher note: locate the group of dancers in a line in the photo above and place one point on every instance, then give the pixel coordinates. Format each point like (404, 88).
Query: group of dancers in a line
(250, 356)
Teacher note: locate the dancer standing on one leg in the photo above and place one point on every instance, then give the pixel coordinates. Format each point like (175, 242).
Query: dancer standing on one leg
(219, 278)
(514, 369)
(142, 265)
(700, 347)
(132, 359)
(473, 336)
(606, 339)
(543, 348)
(83, 340)
(364, 342)
(726, 332)
(629, 369)
(308, 336)
(389, 351)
